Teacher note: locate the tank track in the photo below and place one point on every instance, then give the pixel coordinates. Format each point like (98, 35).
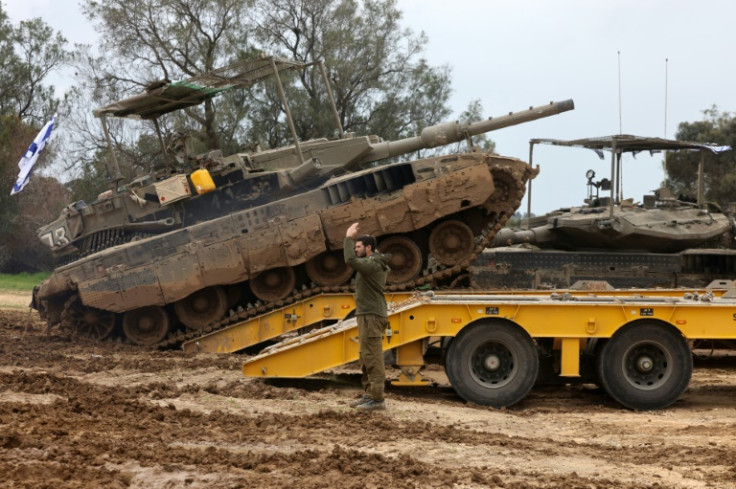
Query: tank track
(510, 186)
(510, 189)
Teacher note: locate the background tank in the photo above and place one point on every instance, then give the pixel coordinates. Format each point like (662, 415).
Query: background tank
(160, 251)
(661, 241)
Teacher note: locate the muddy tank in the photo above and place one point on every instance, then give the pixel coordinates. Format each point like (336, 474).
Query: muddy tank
(205, 233)
(660, 241)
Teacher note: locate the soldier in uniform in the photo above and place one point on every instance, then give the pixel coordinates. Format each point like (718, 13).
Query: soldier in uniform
(371, 268)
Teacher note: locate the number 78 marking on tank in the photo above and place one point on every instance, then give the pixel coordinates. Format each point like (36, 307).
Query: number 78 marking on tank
(56, 238)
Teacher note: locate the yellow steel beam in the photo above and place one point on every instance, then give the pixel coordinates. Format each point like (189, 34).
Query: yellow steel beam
(320, 350)
(410, 359)
(313, 310)
(570, 357)
(316, 353)
(308, 312)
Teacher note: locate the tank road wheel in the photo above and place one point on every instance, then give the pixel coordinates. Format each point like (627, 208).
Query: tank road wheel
(202, 307)
(273, 285)
(88, 321)
(645, 366)
(146, 326)
(451, 241)
(328, 269)
(493, 363)
(406, 260)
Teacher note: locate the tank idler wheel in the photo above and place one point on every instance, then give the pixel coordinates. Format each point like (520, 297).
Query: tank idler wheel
(202, 307)
(493, 363)
(146, 326)
(406, 259)
(90, 322)
(451, 241)
(328, 269)
(273, 285)
(645, 365)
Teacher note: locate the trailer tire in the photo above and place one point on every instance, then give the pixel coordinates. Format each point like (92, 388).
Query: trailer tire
(493, 363)
(645, 366)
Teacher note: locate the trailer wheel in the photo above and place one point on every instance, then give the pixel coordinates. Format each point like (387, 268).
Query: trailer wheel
(492, 363)
(645, 366)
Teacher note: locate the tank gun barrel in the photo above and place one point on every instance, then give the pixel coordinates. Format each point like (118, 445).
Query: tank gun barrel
(451, 132)
(536, 236)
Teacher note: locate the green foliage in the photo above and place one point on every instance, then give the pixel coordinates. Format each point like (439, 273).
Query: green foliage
(28, 53)
(474, 113)
(719, 170)
(21, 214)
(381, 83)
(518, 220)
(93, 178)
(22, 281)
(150, 40)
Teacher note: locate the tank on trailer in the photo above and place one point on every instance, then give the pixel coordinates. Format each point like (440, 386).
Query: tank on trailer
(662, 241)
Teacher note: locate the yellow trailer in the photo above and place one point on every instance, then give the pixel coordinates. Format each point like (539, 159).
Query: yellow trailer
(328, 308)
(639, 343)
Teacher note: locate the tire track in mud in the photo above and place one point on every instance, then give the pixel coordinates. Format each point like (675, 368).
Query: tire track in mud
(94, 420)
(91, 414)
(94, 428)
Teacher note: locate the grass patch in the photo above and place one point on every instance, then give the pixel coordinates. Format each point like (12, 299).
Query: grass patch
(22, 281)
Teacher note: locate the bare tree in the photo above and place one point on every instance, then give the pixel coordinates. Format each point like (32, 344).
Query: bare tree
(149, 40)
(381, 82)
(28, 53)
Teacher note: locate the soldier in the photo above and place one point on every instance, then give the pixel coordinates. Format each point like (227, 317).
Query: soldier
(370, 308)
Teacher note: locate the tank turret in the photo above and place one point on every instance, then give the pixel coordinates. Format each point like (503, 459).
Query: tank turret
(662, 241)
(659, 227)
(207, 233)
(125, 214)
(660, 223)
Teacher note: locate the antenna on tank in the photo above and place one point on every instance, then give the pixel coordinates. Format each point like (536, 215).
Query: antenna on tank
(620, 123)
(617, 188)
(664, 153)
(666, 66)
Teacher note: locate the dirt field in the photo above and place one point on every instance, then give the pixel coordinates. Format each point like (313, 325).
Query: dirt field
(87, 414)
(11, 299)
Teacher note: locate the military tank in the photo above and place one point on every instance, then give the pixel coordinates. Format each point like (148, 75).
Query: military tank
(204, 233)
(662, 241)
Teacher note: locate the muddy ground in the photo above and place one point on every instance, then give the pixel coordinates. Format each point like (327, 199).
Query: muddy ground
(77, 414)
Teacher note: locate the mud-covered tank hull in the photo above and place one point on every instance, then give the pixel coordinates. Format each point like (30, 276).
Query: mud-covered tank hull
(262, 248)
(204, 234)
(524, 268)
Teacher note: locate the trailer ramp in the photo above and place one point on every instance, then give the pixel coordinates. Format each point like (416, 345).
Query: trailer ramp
(338, 344)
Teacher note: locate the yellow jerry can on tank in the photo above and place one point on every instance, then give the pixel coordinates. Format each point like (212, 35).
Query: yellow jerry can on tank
(202, 181)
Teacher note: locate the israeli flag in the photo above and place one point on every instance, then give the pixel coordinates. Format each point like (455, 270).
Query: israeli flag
(31, 156)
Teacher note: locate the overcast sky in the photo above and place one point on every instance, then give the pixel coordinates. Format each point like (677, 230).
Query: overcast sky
(513, 54)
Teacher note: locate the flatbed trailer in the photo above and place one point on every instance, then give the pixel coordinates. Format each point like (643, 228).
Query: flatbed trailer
(328, 308)
(639, 342)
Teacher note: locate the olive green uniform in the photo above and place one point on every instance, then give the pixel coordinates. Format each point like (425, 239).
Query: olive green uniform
(370, 309)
